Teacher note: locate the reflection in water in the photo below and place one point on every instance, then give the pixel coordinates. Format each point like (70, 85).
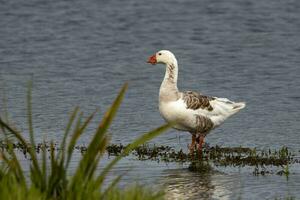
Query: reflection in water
(184, 184)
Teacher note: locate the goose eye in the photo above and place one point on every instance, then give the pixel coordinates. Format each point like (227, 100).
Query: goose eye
(159, 54)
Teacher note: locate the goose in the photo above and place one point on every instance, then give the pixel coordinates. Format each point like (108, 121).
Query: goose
(190, 111)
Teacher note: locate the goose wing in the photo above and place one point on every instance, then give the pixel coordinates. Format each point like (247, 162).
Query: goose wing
(195, 101)
(214, 108)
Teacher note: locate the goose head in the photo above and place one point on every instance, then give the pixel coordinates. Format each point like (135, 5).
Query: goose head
(162, 56)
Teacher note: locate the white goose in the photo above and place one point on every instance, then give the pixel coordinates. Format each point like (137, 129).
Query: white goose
(191, 111)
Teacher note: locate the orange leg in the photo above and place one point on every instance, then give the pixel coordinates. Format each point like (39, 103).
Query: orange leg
(192, 146)
(200, 145)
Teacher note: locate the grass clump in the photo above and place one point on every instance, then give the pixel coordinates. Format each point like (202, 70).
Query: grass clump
(49, 177)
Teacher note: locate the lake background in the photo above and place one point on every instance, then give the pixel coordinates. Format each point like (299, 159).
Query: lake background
(80, 53)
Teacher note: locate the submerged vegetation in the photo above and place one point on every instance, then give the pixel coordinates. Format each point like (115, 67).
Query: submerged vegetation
(217, 156)
(49, 177)
(220, 156)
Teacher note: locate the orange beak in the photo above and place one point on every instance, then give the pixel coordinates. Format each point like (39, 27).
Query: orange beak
(152, 60)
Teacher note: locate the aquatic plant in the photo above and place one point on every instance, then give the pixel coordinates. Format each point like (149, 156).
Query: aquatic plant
(219, 156)
(49, 178)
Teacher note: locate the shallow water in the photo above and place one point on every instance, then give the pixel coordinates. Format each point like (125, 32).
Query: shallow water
(80, 53)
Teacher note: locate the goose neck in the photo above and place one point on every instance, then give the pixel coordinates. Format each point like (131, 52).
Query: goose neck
(169, 84)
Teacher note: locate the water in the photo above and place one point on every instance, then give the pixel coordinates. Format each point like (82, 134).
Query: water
(80, 53)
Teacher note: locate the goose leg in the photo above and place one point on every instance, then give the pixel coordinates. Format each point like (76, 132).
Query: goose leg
(200, 145)
(192, 146)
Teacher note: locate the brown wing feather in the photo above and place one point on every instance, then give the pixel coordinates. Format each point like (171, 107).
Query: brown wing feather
(195, 101)
(204, 124)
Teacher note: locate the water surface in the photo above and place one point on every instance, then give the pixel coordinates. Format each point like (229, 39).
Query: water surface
(80, 53)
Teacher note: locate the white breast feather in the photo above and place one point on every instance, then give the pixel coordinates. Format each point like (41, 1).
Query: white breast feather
(176, 111)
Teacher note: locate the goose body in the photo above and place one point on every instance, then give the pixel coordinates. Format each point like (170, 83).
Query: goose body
(194, 112)
(190, 111)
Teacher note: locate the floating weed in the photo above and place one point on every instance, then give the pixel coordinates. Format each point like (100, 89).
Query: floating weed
(219, 156)
(115, 149)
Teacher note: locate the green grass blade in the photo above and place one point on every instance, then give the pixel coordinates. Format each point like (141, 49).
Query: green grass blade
(61, 154)
(38, 177)
(29, 113)
(85, 165)
(6, 115)
(4, 99)
(57, 178)
(77, 133)
(91, 170)
(106, 121)
(141, 140)
(112, 185)
(22, 140)
(14, 165)
(44, 164)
